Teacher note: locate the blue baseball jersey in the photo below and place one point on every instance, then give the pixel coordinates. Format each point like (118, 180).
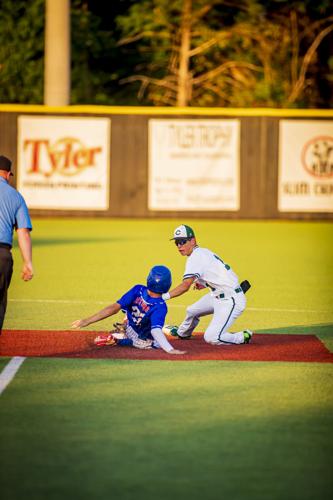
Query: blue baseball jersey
(143, 312)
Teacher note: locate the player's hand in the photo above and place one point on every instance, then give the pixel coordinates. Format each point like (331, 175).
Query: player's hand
(176, 351)
(198, 286)
(79, 323)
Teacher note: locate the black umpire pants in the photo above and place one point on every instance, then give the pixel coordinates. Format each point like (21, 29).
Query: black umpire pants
(6, 271)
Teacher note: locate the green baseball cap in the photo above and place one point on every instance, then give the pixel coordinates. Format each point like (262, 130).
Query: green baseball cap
(182, 232)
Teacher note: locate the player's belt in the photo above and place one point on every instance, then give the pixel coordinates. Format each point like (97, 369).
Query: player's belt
(222, 295)
(5, 245)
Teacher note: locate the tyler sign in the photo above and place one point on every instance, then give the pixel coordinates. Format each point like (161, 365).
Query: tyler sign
(306, 166)
(193, 165)
(63, 163)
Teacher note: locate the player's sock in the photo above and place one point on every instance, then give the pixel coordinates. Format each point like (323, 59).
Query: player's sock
(125, 342)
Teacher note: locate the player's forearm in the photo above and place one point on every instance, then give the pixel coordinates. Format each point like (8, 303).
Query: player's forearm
(179, 290)
(161, 339)
(102, 314)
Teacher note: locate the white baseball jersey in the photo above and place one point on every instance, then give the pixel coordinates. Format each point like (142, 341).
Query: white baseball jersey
(210, 271)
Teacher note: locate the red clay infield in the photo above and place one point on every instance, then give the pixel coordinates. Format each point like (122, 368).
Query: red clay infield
(79, 344)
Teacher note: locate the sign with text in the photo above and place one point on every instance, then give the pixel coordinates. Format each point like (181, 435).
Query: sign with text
(193, 165)
(306, 166)
(63, 163)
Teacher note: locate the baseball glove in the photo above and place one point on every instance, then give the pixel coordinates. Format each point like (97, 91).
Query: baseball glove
(119, 327)
(106, 339)
(245, 286)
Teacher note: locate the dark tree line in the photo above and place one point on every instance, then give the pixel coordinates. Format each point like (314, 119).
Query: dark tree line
(243, 53)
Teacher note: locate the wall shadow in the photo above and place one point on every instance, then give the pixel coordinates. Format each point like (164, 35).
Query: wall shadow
(315, 329)
(41, 242)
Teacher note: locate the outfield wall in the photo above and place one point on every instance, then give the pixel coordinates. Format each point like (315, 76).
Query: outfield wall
(171, 162)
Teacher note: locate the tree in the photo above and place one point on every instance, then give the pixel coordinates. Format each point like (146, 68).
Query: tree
(286, 47)
(185, 50)
(313, 33)
(223, 52)
(237, 53)
(92, 56)
(21, 51)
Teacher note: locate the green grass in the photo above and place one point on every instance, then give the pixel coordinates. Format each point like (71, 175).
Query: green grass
(82, 265)
(90, 430)
(100, 429)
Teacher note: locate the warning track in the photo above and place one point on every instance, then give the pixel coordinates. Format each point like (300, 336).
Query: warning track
(79, 344)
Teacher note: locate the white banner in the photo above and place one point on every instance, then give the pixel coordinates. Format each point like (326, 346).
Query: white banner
(63, 163)
(306, 166)
(193, 165)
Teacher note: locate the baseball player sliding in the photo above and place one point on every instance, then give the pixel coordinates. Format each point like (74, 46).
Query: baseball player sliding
(145, 312)
(225, 301)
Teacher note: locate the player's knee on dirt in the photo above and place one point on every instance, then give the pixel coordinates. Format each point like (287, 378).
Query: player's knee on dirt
(210, 337)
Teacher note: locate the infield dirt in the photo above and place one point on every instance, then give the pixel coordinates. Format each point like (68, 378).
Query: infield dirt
(79, 344)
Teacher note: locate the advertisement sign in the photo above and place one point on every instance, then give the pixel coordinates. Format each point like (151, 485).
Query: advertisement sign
(63, 163)
(193, 165)
(306, 166)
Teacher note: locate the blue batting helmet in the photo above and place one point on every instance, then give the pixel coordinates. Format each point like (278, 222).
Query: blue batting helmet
(159, 279)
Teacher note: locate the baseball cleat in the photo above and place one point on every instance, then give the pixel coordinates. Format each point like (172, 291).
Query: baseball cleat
(185, 337)
(170, 330)
(247, 336)
(105, 340)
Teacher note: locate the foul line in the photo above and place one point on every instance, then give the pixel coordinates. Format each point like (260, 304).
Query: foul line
(9, 372)
(183, 306)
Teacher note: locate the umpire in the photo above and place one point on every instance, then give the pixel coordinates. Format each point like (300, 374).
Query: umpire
(13, 214)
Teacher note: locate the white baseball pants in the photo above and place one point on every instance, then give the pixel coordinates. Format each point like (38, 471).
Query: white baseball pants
(225, 312)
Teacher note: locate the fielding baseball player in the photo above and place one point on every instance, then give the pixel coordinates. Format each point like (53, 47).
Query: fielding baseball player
(145, 312)
(225, 300)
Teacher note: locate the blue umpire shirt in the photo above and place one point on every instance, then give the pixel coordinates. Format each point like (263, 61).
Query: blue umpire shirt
(13, 212)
